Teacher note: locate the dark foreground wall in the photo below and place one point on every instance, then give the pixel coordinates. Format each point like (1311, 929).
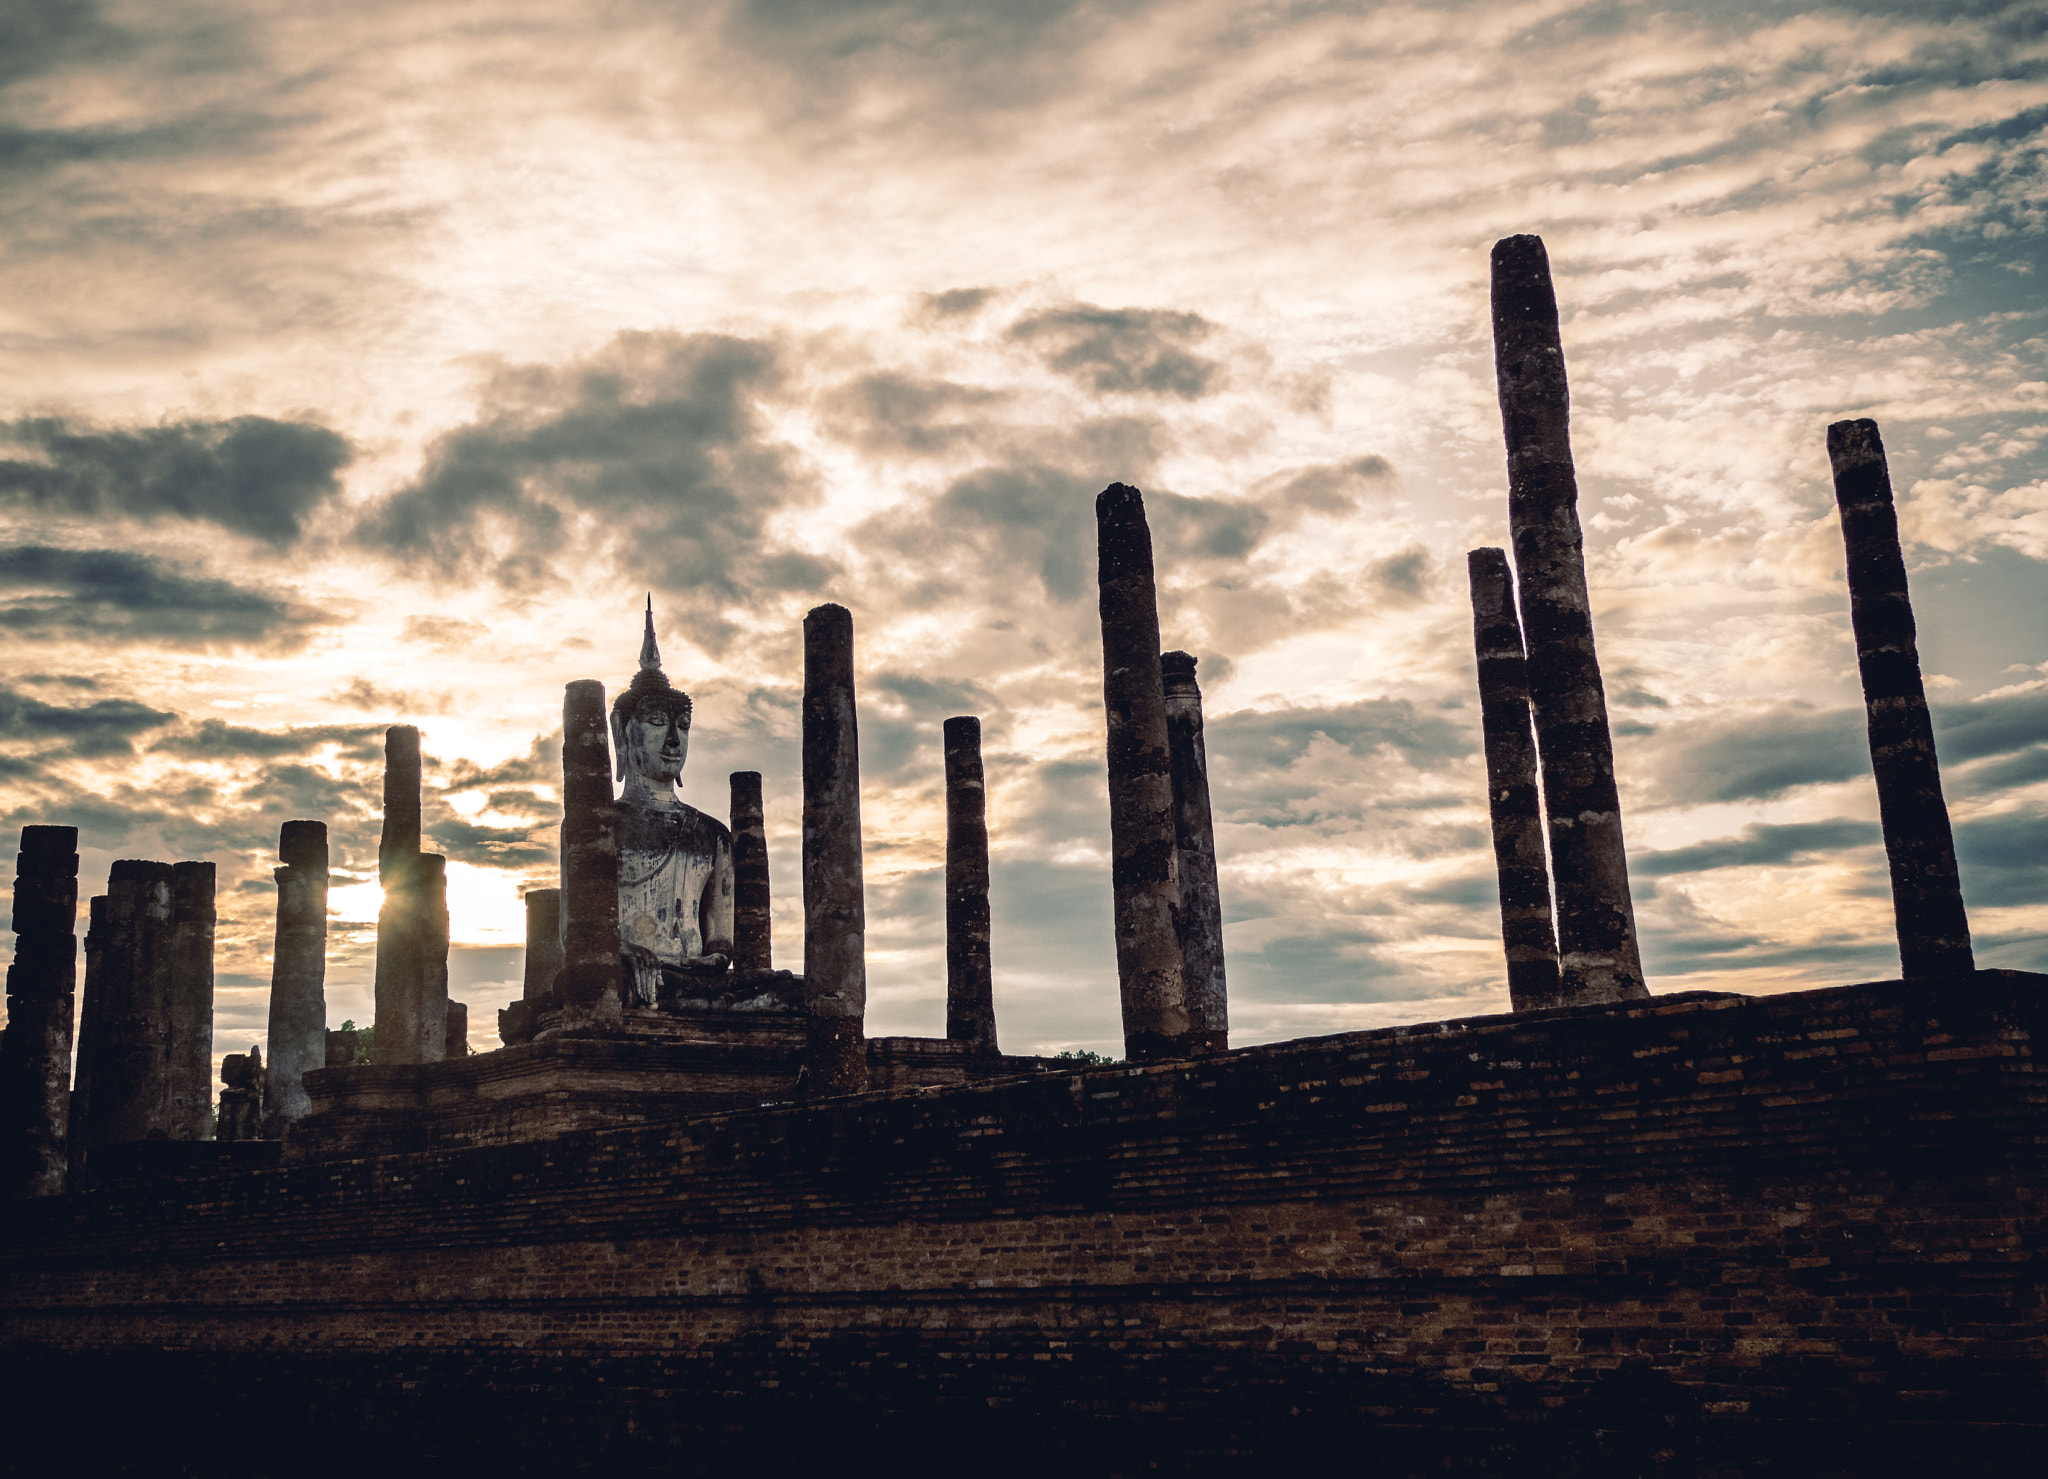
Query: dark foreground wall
(1797, 1235)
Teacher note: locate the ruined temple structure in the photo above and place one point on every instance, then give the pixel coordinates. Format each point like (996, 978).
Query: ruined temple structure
(692, 1218)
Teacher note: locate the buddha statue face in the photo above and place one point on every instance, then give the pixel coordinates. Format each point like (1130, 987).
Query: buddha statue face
(655, 741)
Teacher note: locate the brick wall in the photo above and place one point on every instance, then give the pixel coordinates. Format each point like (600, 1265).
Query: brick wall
(1702, 1235)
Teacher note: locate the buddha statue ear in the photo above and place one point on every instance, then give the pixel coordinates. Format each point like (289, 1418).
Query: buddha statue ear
(618, 745)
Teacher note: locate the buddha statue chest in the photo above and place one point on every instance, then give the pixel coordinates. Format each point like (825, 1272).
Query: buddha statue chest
(675, 882)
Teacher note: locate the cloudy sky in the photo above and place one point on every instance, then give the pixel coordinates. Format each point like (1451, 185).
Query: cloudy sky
(369, 364)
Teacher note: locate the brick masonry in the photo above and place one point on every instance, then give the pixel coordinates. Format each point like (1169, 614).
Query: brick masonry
(1694, 1235)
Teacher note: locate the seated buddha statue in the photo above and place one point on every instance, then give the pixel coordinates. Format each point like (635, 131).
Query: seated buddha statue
(675, 862)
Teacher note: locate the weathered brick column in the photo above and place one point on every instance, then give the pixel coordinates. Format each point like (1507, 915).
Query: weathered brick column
(401, 983)
(131, 1054)
(91, 1016)
(1927, 892)
(835, 905)
(753, 939)
(970, 974)
(35, 1061)
(543, 944)
(1527, 932)
(189, 1067)
(433, 957)
(1194, 834)
(1144, 863)
(589, 983)
(1596, 922)
(298, 973)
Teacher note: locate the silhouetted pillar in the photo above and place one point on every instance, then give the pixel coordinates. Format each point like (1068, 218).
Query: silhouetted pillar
(589, 983)
(298, 974)
(35, 1055)
(189, 1069)
(753, 940)
(970, 978)
(1144, 861)
(835, 907)
(1927, 893)
(433, 957)
(131, 1056)
(457, 1030)
(1526, 929)
(401, 962)
(1194, 839)
(543, 943)
(1596, 923)
(91, 1014)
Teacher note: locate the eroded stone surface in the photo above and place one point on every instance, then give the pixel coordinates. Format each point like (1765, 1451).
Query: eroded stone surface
(835, 908)
(1194, 835)
(970, 979)
(35, 1054)
(298, 972)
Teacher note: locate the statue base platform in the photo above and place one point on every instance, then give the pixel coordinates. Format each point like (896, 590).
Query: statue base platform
(654, 1067)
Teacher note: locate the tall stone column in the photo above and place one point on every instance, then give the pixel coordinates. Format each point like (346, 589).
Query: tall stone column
(753, 936)
(131, 1057)
(189, 1070)
(1927, 892)
(1144, 855)
(543, 944)
(433, 957)
(1194, 834)
(91, 1016)
(1596, 924)
(970, 975)
(298, 974)
(35, 1055)
(835, 907)
(401, 975)
(590, 980)
(1527, 932)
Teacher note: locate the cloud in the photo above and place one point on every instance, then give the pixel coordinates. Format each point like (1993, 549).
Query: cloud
(47, 593)
(1130, 351)
(1273, 739)
(212, 739)
(1759, 844)
(251, 474)
(108, 727)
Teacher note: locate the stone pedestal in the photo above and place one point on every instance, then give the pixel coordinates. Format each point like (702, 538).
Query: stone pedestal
(298, 973)
(35, 1054)
(835, 908)
(970, 976)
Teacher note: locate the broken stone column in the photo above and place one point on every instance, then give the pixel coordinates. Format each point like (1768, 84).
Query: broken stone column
(35, 1054)
(188, 1077)
(456, 1030)
(1596, 924)
(91, 1010)
(131, 1052)
(1526, 929)
(433, 957)
(753, 944)
(298, 974)
(401, 964)
(1144, 858)
(1927, 892)
(241, 1097)
(589, 983)
(543, 944)
(970, 977)
(1194, 834)
(835, 907)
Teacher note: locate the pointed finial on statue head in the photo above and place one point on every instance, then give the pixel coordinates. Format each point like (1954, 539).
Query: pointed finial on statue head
(650, 655)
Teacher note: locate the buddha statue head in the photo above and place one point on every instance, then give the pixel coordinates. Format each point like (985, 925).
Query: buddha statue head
(650, 723)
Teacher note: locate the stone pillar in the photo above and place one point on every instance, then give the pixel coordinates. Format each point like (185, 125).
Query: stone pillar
(433, 957)
(1596, 921)
(1194, 841)
(543, 944)
(188, 1080)
(298, 974)
(91, 1014)
(1144, 858)
(401, 975)
(970, 977)
(589, 982)
(753, 946)
(1527, 932)
(835, 907)
(35, 1054)
(457, 1030)
(131, 1056)
(1927, 893)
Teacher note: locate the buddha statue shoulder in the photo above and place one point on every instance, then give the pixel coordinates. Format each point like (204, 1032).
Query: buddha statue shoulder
(675, 862)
